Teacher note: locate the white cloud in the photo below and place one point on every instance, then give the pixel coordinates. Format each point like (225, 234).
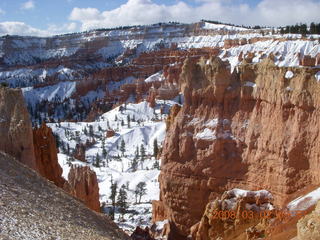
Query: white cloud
(20, 28)
(2, 12)
(59, 29)
(267, 12)
(134, 12)
(28, 5)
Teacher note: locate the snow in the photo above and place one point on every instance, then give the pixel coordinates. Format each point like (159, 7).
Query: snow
(212, 123)
(155, 77)
(249, 84)
(237, 193)
(206, 134)
(289, 74)
(60, 90)
(317, 76)
(240, 193)
(26, 77)
(116, 85)
(214, 26)
(304, 202)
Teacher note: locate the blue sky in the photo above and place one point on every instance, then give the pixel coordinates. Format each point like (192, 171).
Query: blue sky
(45, 17)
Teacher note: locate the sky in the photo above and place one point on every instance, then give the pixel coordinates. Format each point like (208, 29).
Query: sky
(49, 17)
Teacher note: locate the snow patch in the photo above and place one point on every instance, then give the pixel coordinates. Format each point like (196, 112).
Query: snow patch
(304, 202)
(289, 74)
(206, 134)
(249, 84)
(317, 76)
(155, 77)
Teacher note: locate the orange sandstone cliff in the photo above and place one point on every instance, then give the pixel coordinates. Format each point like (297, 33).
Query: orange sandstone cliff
(252, 129)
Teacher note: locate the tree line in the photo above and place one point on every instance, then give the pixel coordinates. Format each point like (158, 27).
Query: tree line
(302, 28)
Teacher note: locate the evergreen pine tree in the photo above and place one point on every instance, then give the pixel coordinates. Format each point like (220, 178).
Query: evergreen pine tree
(156, 164)
(122, 200)
(113, 198)
(134, 163)
(85, 131)
(128, 120)
(142, 155)
(91, 130)
(155, 148)
(122, 147)
(104, 152)
(97, 162)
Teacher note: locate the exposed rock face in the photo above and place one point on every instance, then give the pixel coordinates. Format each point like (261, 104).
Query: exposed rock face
(233, 215)
(44, 211)
(80, 152)
(141, 234)
(309, 226)
(15, 127)
(83, 185)
(245, 130)
(308, 61)
(110, 133)
(46, 155)
(159, 211)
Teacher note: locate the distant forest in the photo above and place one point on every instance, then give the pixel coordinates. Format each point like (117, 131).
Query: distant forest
(314, 28)
(302, 28)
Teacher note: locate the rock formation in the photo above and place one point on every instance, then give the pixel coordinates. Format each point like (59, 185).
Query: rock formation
(245, 129)
(83, 184)
(15, 127)
(46, 155)
(80, 152)
(236, 213)
(141, 234)
(309, 226)
(33, 208)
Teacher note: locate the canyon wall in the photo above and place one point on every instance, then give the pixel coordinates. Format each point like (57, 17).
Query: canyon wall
(254, 129)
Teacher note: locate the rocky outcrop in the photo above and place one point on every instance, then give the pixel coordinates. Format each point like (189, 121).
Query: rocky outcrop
(45, 150)
(141, 234)
(236, 213)
(159, 211)
(309, 226)
(33, 208)
(83, 184)
(308, 61)
(15, 127)
(253, 129)
(80, 152)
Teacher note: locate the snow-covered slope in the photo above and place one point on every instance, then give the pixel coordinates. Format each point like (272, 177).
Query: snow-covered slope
(146, 125)
(304, 202)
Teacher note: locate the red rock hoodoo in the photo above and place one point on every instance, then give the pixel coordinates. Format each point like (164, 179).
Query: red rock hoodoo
(246, 130)
(46, 155)
(83, 185)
